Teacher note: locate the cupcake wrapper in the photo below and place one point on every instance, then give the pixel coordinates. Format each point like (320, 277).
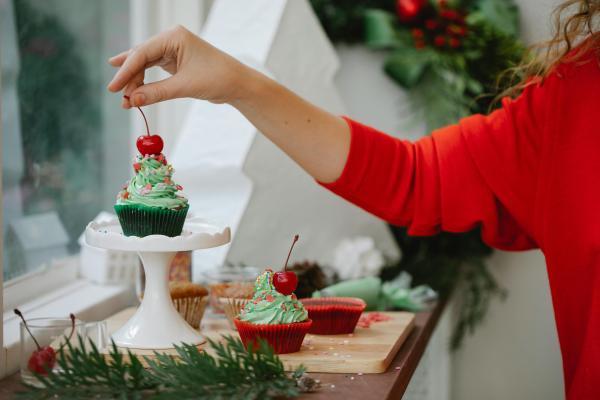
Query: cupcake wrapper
(232, 308)
(191, 309)
(333, 315)
(284, 338)
(138, 220)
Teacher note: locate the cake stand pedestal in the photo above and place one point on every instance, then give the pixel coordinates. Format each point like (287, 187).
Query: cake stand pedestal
(156, 324)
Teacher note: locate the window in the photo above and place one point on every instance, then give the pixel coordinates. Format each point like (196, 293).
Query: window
(66, 141)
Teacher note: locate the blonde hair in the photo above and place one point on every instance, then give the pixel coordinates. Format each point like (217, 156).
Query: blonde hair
(574, 26)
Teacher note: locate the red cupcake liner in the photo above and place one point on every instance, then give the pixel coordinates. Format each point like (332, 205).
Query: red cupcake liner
(333, 315)
(284, 338)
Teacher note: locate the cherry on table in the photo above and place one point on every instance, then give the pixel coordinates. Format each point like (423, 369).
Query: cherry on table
(43, 359)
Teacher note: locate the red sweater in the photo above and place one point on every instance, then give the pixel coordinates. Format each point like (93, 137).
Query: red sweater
(527, 174)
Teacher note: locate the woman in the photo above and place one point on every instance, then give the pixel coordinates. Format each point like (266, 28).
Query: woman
(526, 173)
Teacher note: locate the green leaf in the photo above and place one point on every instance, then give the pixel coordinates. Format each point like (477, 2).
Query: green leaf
(406, 66)
(502, 14)
(380, 30)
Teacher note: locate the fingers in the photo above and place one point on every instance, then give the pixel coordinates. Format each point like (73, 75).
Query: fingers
(119, 59)
(132, 85)
(135, 61)
(155, 92)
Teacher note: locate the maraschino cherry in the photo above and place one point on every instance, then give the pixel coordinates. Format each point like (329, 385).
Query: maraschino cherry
(148, 144)
(286, 281)
(43, 359)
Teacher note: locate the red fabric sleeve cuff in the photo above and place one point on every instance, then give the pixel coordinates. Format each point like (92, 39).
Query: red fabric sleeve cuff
(346, 183)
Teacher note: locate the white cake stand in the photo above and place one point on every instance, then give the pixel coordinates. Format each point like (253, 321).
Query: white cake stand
(156, 324)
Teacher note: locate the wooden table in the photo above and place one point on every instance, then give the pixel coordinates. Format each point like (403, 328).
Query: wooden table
(388, 385)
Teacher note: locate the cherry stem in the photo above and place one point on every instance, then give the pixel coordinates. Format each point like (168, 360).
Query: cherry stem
(72, 316)
(143, 115)
(20, 314)
(290, 252)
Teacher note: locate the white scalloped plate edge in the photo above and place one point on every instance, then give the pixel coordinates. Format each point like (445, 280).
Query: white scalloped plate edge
(198, 233)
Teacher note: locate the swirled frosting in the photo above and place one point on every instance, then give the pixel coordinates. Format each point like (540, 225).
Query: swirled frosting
(268, 306)
(152, 185)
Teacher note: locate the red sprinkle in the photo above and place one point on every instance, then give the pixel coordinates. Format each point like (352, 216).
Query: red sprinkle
(366, 320)
(125, 195)
(137, 167)
(269, 298)
(179, 187)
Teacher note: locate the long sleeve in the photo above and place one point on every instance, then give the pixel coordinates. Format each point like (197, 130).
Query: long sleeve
(481, 172)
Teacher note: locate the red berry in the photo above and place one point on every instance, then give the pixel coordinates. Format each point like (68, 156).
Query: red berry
(408, 10)
(431, 24)
(419, 44)
(439, 41)
(42, 361)
(454, 43)
(451, 15)
(285, 282)
(417, 33)
(149, 144)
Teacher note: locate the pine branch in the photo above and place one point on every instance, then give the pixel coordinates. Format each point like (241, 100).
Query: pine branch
(232, 373)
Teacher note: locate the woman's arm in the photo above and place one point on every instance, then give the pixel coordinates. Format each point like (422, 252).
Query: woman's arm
(317, 140)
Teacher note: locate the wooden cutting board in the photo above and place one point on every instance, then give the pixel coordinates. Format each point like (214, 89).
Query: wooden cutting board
(367, 350)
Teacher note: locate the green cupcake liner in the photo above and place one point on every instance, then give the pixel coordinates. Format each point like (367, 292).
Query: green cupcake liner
(139, 220)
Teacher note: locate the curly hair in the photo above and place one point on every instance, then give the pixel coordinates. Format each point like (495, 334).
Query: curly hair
(575, 26)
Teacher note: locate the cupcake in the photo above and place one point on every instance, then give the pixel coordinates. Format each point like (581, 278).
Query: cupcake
(334, 315)
(231, 298)
(151, 203)
(279, 318)
(190, 300)
(220, 293)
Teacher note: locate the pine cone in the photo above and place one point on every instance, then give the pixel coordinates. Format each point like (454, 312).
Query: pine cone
(310, 278)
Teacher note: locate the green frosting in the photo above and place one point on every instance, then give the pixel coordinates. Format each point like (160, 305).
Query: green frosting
(268, 306)
(152, 185)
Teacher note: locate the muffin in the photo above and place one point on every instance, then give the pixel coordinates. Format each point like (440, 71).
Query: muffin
(232, 298)
(279, 319)
(190, 300)
(221, 292)
(151, 203)
(334, 315)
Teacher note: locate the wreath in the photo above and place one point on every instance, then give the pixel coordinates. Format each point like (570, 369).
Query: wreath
(450, 56)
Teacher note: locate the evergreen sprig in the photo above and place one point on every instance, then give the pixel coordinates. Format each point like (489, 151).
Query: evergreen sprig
(231, 373)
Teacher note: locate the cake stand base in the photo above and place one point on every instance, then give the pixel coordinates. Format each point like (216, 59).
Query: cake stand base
(156, 323)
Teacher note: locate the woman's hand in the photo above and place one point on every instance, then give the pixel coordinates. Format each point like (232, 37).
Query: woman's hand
(198, 70)
(318, 141)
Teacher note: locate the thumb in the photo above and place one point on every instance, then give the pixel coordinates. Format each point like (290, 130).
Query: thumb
(155, 92)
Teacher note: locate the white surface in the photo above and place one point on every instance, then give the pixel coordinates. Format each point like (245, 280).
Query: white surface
(197, 234)
(372, 97)
(156, 324)
(514, 354)
(107, 266)
(431, 379)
